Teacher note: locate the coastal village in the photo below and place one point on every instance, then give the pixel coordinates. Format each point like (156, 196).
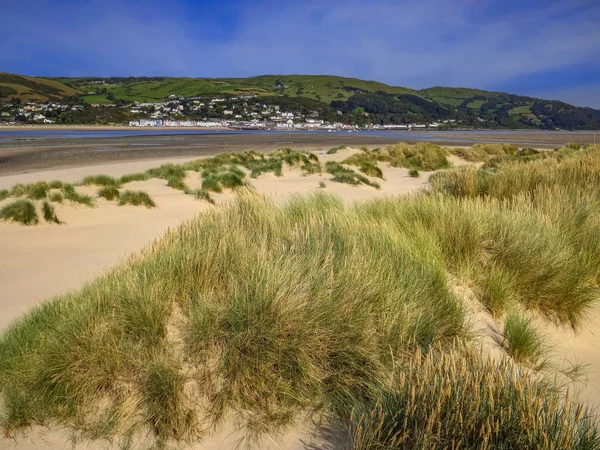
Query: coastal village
(243, 112)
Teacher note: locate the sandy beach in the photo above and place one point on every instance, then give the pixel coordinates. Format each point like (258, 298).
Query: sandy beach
(40, 262)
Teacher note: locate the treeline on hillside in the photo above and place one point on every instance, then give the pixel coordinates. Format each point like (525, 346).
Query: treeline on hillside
(387, 108)
(555, 114)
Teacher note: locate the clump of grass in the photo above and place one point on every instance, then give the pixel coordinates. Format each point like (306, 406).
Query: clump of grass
(34, 191)
(217, 179)
(109, 192)
(55, 184)
(471, 154)
(371, 170)
(496, 290)
(56, 197)
(312, 168)
(173, 173)
(100, 180)
(49, 213)
(4, 194)
(258, 167)
(521, 340)
(446, 400)
(136, 198)
(334, 150)
(140, 176)
(342, 174)
(573, 145)
(70, 193)
(322, 185)
(163, 389)
(414, 173)
(204, 195)
(22, 211)
(497, 149)
(421, 156)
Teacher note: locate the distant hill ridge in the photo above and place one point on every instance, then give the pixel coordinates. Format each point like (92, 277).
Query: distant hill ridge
(360, 100)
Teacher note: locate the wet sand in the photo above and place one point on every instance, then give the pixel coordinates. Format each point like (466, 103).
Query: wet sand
(41, 153)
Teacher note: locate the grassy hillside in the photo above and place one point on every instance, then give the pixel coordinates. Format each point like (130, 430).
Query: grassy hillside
(33, 89)
(265, 313)
(382, 103)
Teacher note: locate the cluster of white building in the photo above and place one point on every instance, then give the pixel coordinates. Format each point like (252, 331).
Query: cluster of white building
(176, 123)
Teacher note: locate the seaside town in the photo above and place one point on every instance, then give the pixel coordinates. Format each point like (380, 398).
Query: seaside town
(243, 112)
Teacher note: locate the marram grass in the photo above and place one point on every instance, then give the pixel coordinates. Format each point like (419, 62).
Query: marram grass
(262, 313)
(461, 399)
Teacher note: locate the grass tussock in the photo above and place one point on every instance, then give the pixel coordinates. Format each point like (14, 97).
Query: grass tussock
(56, 197)
(49, 213)
(69, 193)
(4, 194)
(345, 175)
(136, 198)
(421, 156)
(334, 150)
(22, 211)
(414, 173)
(140, 176)
(100, 180)
(521, 340)
(110, 192)
(204, 195)
(457, 399)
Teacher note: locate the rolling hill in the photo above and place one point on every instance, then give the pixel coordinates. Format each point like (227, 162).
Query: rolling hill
(359, 101)
(33, 89)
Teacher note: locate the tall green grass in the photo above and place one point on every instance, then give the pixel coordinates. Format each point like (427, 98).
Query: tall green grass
(521, 340)
(100, 180)
(22, 211)
(421, 156)
(49, 213)
(457, 399)
(70, 193)
(342, 174)
(109, 192)
(136, 198)
(264, 312)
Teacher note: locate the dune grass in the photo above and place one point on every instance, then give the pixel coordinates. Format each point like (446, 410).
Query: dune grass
(204, 195)
(71, 194)
(109, 192)
(345, 175)
(263, 312)
(414, 173)
(100, 180)
(140, 176)
(4, 194)
(56, 197)
(421, 156)
(334, 150)
(136, 198)
(521, 340)
(49, 213)
(457, 399)
(22, 211)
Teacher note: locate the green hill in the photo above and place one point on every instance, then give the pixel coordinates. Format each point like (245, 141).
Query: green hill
(33, 89)
(359, 101)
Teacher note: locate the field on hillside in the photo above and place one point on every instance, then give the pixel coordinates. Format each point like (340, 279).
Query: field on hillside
(265, 313)
(33, 89)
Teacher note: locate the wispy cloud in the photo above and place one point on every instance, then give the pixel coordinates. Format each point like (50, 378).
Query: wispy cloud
(414, 43)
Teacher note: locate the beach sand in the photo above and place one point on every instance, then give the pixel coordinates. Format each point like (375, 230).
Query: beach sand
(40, 262)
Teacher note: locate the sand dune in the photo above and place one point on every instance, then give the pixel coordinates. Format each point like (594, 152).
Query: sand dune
(39, 262)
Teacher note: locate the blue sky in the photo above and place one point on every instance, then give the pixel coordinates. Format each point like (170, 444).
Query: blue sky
(548, 49)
